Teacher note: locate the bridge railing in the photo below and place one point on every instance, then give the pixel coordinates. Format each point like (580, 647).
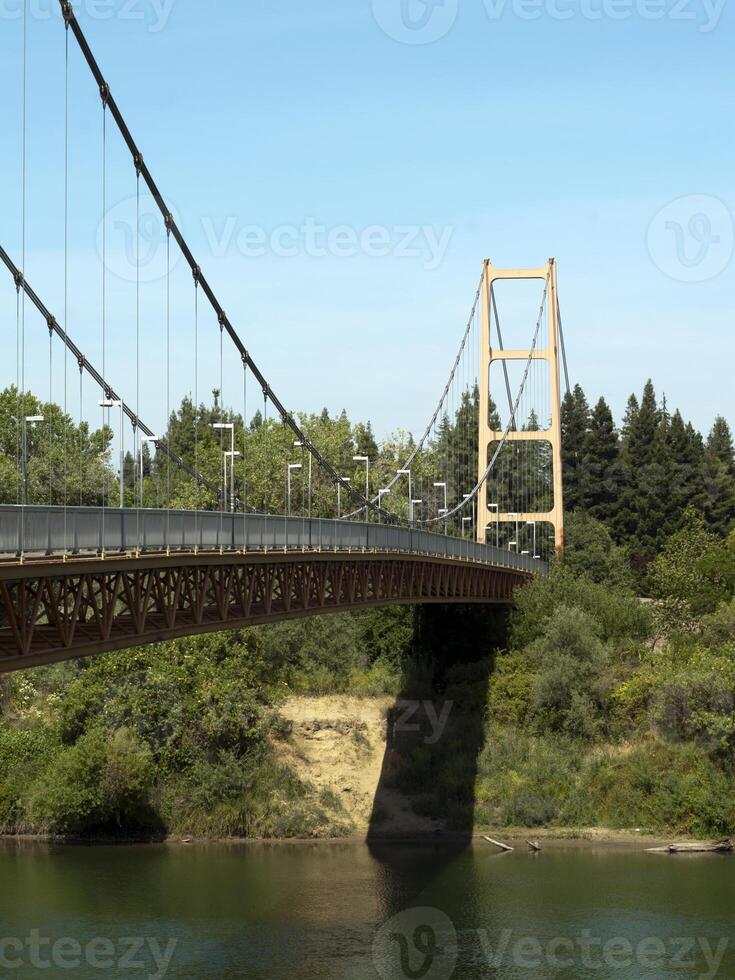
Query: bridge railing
(55, 531)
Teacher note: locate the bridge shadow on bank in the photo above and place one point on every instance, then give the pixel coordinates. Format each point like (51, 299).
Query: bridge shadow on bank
(435, 735)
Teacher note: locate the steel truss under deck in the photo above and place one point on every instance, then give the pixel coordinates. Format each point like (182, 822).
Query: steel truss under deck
(52, 611)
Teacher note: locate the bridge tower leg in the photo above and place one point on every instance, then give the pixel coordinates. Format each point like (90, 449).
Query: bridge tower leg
(486, 518)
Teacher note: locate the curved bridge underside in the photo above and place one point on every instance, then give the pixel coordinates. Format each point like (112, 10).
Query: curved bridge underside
(52, 610)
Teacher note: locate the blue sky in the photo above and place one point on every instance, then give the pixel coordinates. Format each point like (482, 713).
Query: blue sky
(604, 139)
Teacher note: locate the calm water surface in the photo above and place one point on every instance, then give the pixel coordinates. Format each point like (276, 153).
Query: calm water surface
(349, 910)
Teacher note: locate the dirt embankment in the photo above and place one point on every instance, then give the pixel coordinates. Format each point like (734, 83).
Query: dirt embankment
(339, 744)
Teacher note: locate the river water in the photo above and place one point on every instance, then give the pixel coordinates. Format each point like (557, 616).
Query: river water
(351, 910)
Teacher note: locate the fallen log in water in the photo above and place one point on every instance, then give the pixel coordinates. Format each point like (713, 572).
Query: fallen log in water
(534, 845)
(497, 843)
(696, 847)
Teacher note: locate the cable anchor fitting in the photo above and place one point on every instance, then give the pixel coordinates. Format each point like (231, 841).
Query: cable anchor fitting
(138, 161)
(51, 324)
(169, 221)
(19, 280)
(197, 273)
(68, 11)
(105, 93)
(221, 319)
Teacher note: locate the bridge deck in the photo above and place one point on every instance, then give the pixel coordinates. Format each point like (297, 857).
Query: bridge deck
(120, 586)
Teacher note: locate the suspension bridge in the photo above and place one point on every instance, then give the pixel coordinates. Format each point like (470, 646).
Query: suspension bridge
(93, 560)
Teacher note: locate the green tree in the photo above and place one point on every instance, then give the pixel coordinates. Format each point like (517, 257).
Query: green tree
(603, 480)
(575, 424)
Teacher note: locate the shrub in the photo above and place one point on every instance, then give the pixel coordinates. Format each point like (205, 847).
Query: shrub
(617, 613)
(24, 754)
(100, 784)
(590, 551)
(660, 788)
(569, 689)
(510, 690)
(718, 629)
(697, 703)
(694, 573)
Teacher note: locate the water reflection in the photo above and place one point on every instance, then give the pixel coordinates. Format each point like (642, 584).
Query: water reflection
(313, 911)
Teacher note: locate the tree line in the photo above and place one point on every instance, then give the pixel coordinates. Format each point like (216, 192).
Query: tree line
(640, 479)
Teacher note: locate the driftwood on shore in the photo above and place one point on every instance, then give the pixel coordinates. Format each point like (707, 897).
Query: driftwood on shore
(497, 843)
(695, 847)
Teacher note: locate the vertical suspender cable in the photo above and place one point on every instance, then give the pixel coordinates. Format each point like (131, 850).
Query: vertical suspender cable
(563, 347)
(244, 453)
(265, 452)
(137, 444)
(66, 272)
(104, 301)
(81, 435)
(168, 384)
(49, 444)
(22, 343)
(18, 408)
(223, 501)
(196, 409)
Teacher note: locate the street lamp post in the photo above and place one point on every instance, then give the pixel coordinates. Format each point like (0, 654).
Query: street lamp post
(344, 479)
(410, 493)
(496, 508)
(468, 496)
(533, 525)
(516, 542)
(292, 467)
(118, 403)
(148, 439)
(445, 509)
(28, 420)
(300, 445)
(221, 426)
(366, 461)
(232, 455)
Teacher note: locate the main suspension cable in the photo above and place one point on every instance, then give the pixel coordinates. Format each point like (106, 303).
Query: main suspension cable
(86, 365)
(286, 416)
